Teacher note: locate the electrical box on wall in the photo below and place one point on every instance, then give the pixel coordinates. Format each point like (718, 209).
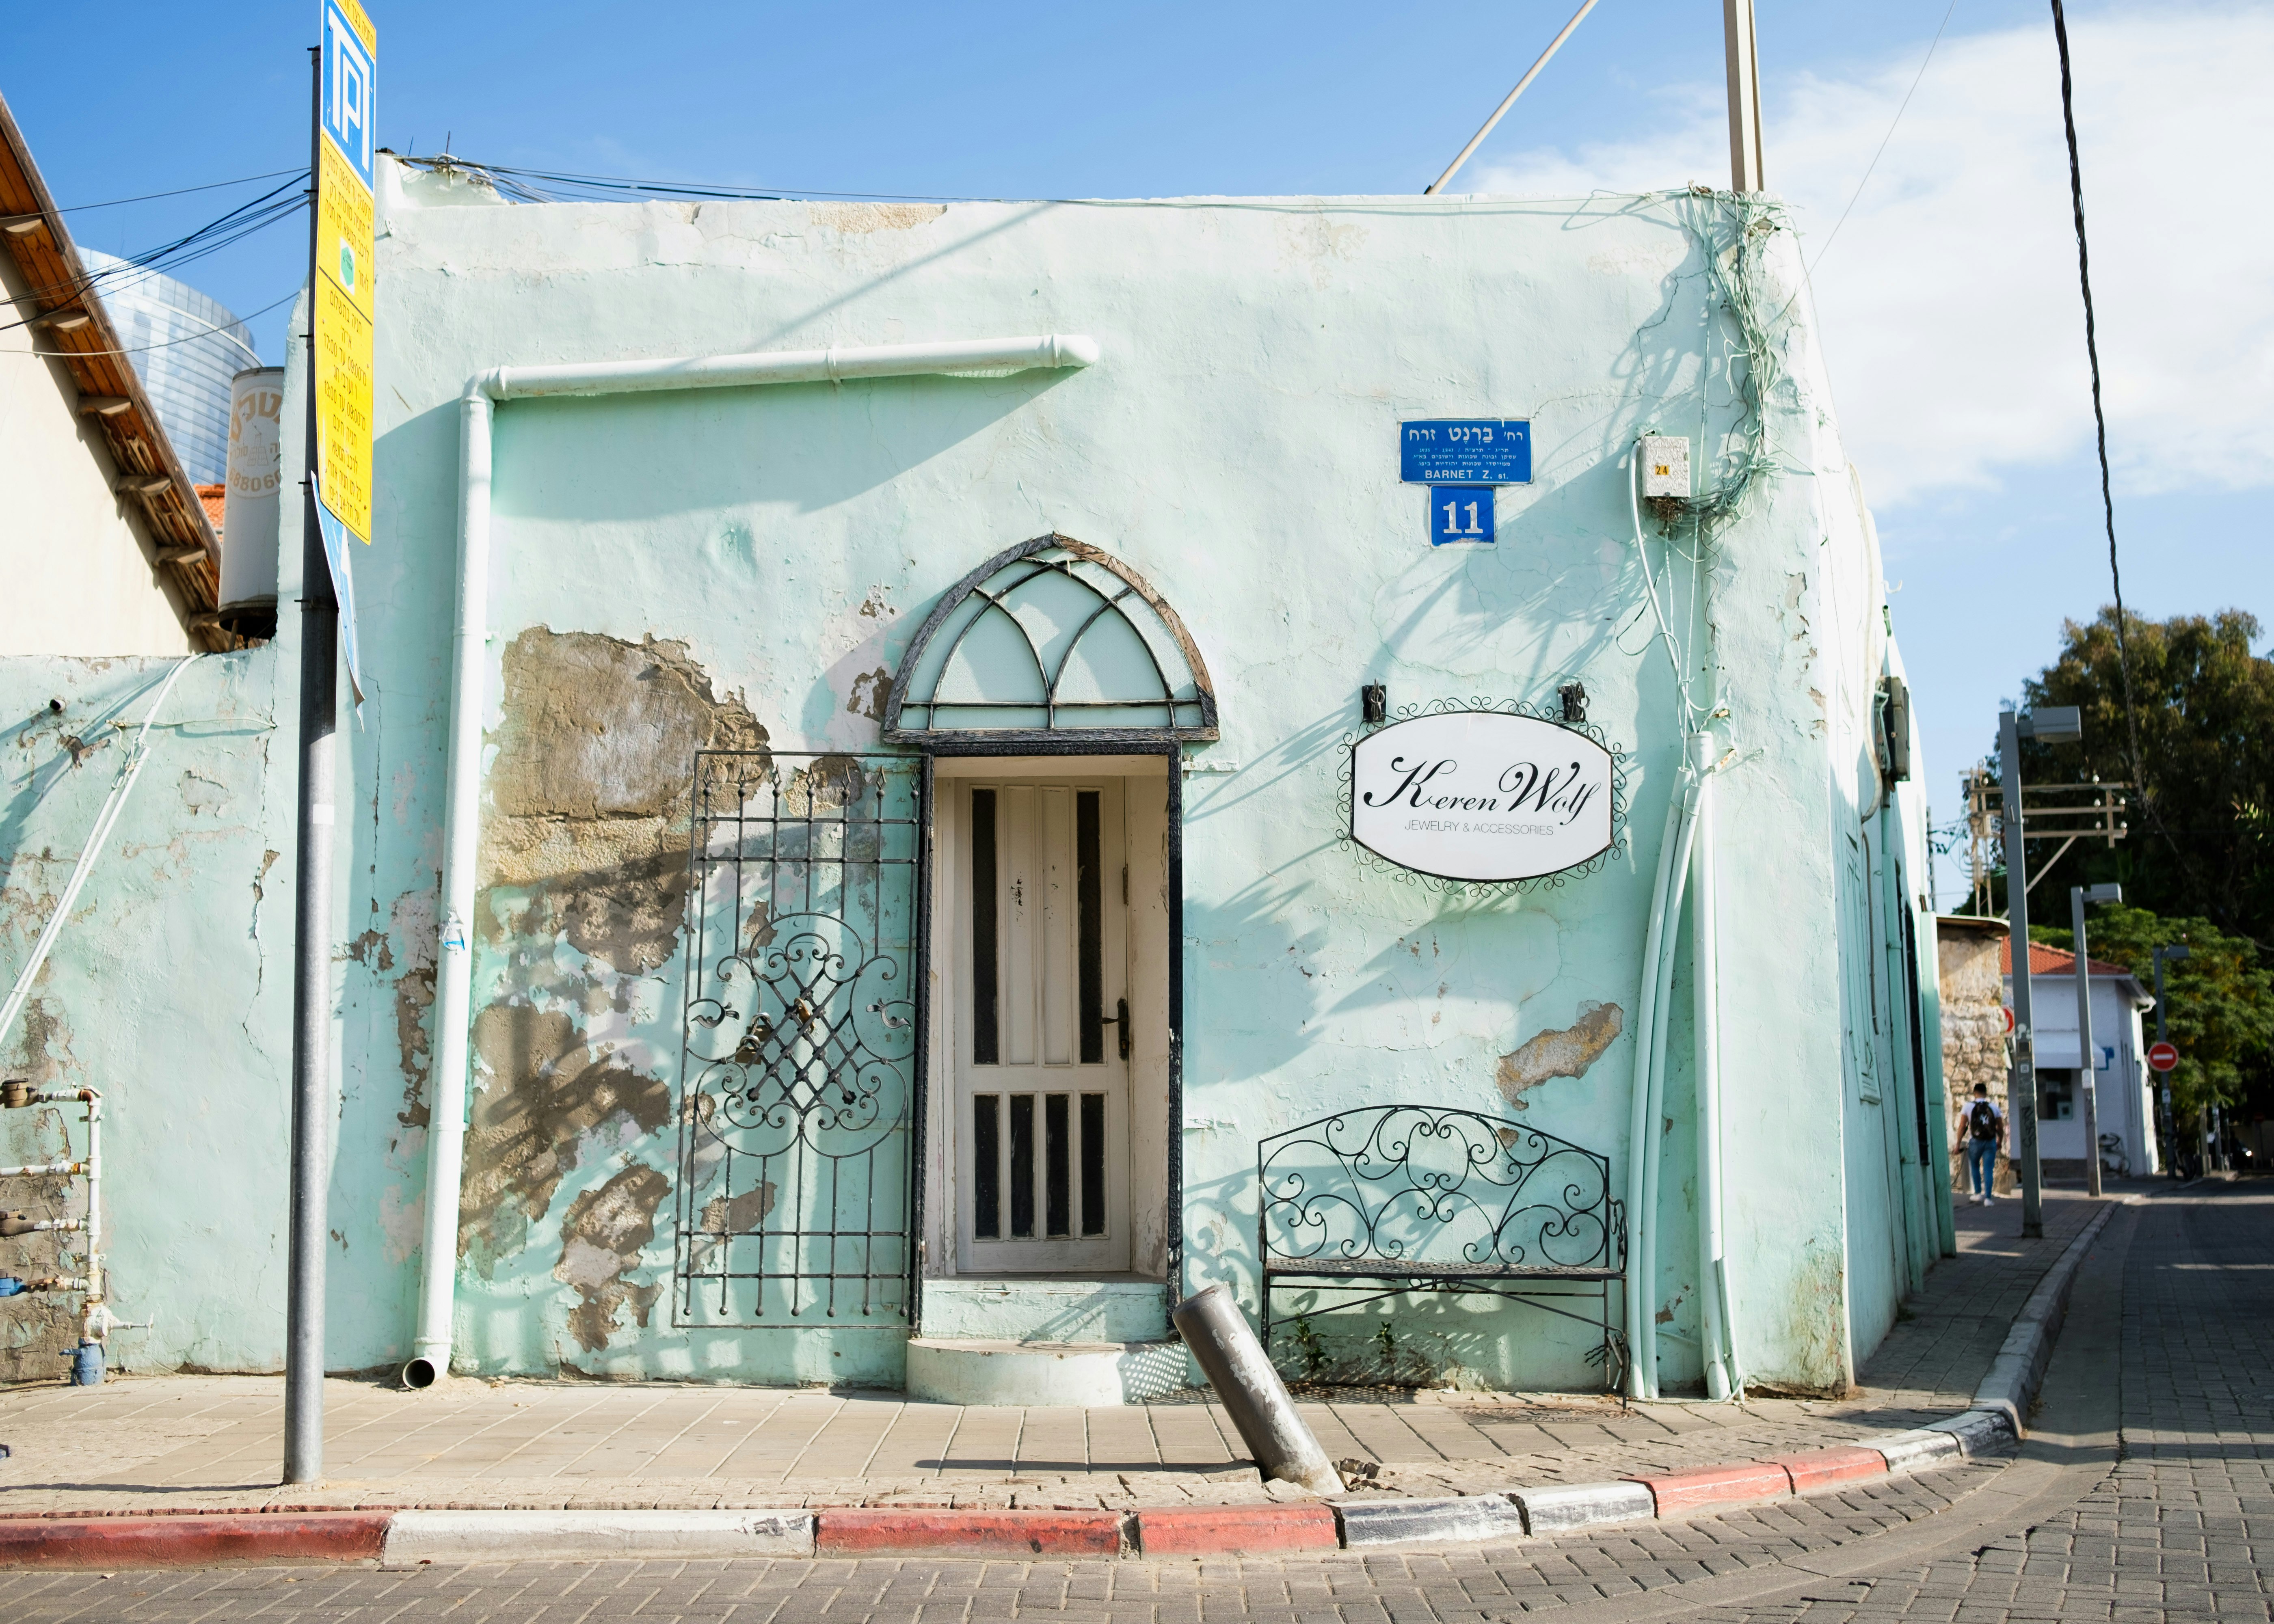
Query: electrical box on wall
(1665, 465)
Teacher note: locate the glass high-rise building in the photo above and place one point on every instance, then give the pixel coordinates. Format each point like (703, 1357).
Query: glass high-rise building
(186, 347)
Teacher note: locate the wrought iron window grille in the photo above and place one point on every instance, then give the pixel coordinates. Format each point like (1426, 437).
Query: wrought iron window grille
(1048, 640)
(799, 1084)
(1622, 762)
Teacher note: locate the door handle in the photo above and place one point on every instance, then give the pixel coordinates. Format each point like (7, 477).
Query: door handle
(1119, 1021)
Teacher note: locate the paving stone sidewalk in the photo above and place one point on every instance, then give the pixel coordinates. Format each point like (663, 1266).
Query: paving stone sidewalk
(2177, 1532)
(181, 1442)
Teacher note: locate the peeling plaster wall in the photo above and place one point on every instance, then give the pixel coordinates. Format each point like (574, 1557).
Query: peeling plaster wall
(744, 568)
(768, 548)
(170, 991)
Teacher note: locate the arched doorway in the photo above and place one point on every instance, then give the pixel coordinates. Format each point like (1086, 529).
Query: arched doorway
(1050, 691)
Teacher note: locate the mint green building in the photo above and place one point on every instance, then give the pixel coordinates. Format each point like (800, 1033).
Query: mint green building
(848, 858)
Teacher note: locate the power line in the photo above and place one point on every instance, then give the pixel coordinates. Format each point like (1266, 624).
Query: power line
(242, 180)
(278, 204)
(83, 355)
(2100, 419)
(1884, 140)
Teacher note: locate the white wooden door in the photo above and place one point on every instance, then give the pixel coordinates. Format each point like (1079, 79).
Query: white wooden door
(1042, 1022)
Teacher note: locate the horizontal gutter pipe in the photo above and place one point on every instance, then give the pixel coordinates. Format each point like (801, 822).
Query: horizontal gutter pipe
(733, 371)
(430, 1360)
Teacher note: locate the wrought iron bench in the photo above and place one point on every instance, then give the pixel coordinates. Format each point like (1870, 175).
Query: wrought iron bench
(1395, 1198)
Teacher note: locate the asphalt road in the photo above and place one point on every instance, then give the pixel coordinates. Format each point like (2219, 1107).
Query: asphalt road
(2142, 1495)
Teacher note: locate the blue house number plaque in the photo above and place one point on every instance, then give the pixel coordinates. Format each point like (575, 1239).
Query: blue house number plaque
(1460, 513)
(1464, 451)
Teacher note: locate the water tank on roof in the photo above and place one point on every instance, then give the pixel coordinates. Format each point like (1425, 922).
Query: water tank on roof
(253, 502)
(186, 347)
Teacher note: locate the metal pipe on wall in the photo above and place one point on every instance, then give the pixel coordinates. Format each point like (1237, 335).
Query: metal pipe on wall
(1644, 1263)
(1642, 1126)
(430, 1360)
(1705, 991)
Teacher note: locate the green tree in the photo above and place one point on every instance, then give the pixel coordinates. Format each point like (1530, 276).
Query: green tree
(2221, 999)
(2202, 814)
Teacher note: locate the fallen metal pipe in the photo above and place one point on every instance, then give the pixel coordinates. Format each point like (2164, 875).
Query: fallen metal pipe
(1252, 1394)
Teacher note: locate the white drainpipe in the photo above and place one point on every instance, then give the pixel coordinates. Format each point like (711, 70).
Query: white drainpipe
(1644, 1138)
(1705, 1024)
(430, 1357)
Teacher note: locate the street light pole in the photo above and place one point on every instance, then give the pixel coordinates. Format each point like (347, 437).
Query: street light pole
(2047, 724)
(2021, 1086)
(2078, 896)
(2170, 1122)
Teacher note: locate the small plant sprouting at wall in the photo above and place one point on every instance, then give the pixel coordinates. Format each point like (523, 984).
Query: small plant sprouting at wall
(1310, 1348)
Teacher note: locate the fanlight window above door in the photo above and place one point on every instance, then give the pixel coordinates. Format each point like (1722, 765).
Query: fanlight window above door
(1049, 638)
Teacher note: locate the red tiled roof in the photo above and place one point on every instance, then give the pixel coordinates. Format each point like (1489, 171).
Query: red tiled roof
(209, 497)
(2052, 961)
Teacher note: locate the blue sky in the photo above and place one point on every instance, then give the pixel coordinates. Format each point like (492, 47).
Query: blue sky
(1947, 299)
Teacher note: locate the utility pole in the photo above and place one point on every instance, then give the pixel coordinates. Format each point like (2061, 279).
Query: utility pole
(2079, 895)
(2170, 1122)
(1744, 97)
(312, 957)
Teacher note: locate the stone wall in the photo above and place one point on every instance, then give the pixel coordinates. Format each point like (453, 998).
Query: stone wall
(1973, 1030)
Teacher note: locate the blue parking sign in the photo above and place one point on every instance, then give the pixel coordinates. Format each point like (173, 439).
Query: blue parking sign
(349, 93)
(1460, 513)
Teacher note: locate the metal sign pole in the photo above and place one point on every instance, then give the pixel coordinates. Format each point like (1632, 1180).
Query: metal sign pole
(2086, 1081)
(311, 958)
(2021, 1086)
(2167, 1118)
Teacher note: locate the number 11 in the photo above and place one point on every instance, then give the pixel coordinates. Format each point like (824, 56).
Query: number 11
(1453, 520)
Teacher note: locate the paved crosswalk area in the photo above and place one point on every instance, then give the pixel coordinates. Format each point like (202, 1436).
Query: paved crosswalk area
(2144, 1497)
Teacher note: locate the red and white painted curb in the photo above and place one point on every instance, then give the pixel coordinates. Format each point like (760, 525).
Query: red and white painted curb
(408, 1538)
(404, 1539)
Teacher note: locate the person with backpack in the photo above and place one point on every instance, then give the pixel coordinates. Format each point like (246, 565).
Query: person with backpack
(1985, 1125)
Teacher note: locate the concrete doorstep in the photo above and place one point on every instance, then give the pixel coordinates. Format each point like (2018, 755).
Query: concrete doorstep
(411, 1538)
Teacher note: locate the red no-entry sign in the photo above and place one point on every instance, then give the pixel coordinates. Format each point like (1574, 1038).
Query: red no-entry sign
(2163, 1057)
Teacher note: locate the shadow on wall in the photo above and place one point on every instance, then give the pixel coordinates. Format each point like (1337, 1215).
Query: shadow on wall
(584, 874)
(800, 447)
(1424, 1339)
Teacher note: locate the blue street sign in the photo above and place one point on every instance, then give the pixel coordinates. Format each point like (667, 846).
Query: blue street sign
(1464, 451)
(1460, 513)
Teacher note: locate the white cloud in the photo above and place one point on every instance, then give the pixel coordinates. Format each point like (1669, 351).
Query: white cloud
(1949, 300)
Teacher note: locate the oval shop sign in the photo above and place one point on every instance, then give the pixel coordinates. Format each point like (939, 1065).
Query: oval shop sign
(1480, 795)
